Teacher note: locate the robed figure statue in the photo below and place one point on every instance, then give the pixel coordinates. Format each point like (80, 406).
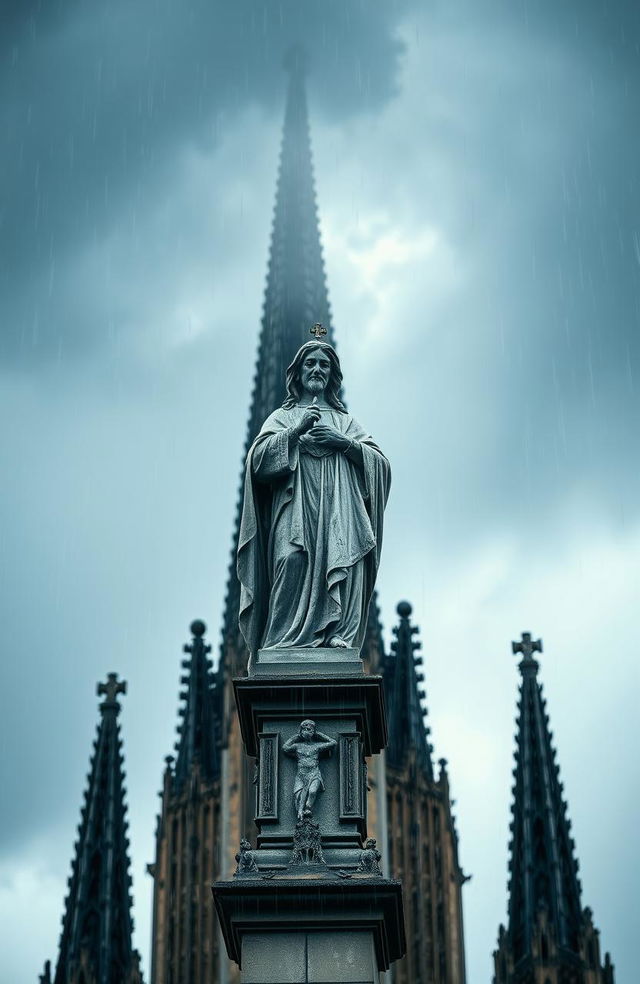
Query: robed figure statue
(311, 531)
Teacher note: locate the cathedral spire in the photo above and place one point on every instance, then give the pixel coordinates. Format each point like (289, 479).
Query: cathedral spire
(296, 295)
(404, 695)
(97, 926)
(547, 927)
(198, 730)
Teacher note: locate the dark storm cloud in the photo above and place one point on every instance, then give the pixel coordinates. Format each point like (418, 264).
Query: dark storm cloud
(611, 27)
(97, 101)
(524, 162)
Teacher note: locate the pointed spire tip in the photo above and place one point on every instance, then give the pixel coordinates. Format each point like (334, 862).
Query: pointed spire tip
(296, 59)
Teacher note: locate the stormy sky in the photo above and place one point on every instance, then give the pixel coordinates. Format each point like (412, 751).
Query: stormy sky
(477, 169)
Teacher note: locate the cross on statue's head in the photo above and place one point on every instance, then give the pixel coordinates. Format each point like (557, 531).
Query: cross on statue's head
(318, 330)
(111, 689)
(527, 646)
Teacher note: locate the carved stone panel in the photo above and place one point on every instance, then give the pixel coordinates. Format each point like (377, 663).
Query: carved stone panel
(351, 777)
(268, 777)
(284, 784)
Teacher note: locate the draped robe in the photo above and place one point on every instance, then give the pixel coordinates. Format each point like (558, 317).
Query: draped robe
(310, 535)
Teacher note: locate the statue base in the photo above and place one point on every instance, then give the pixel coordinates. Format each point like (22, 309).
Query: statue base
(309, 903)
(301, 662)
(351, 709)
(289, 929)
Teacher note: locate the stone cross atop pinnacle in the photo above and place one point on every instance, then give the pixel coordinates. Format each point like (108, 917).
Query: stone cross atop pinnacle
(111, 689)
(527, 646)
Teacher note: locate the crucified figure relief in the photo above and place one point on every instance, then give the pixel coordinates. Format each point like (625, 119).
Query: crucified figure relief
(306, 747)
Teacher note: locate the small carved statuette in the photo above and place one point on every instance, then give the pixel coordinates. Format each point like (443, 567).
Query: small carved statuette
(307, 747)
(370, 858)
(245, 860)
(306, 843)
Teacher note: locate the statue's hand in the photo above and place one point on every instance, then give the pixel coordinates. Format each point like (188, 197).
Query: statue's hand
(328, 437)
(310, 417)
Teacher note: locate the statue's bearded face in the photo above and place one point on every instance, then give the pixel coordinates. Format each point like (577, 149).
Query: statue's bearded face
(315, 372)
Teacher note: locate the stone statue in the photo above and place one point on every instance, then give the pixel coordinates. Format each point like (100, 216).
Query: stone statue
(245, 860)
(311, 531)
(306, 747)
(370, 858)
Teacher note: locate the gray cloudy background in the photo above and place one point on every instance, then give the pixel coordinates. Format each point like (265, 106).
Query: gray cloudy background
(477, 167)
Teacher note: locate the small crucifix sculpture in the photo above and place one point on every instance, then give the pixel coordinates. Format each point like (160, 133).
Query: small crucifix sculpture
(111, 688)
(318, 330)
(527, 646)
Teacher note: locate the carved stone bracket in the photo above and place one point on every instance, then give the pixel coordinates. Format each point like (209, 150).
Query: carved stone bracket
(268, 777)
(351, 777)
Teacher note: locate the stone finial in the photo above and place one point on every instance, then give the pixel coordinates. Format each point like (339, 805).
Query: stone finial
(110, 690)
(198, 627)
(527, 646)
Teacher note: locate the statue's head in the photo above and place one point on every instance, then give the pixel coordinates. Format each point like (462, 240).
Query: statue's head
(245, 845)
(308, 729)
(315, 369)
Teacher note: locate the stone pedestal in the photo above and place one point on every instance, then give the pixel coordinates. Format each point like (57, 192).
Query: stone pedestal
(314, 957)
(297, 662)
(310, 903)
